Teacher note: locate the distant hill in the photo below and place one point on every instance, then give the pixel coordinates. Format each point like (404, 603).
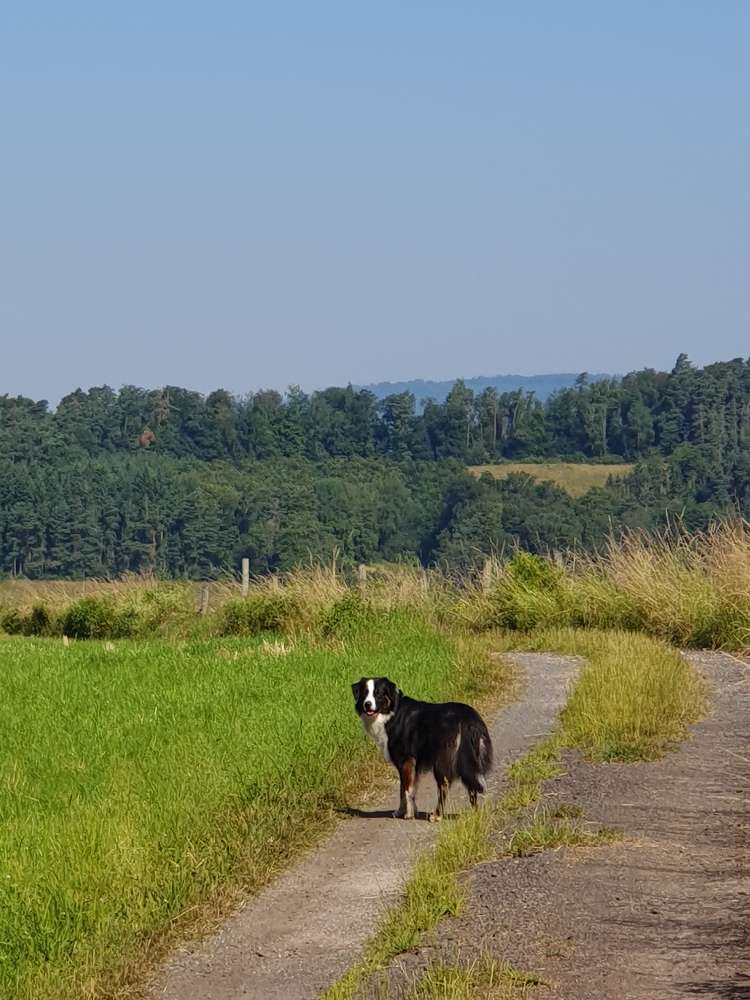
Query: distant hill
(541, 385)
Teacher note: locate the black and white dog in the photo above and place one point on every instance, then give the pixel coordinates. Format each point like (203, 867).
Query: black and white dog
(450, 739)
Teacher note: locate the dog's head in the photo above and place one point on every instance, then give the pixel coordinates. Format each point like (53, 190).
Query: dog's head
(375, 696)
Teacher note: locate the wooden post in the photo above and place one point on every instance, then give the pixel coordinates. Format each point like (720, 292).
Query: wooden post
(245, 577)
(361, 576)
(487, 575)
(203, 609)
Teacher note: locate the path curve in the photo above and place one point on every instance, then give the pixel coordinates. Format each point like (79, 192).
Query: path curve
(301, 933)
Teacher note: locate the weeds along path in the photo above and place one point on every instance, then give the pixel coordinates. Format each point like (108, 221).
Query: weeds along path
(662, 913)
(303, 932)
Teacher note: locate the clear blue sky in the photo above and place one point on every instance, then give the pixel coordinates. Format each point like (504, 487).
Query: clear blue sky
(247, 195)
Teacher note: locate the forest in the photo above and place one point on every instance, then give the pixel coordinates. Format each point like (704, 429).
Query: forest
(179, 484)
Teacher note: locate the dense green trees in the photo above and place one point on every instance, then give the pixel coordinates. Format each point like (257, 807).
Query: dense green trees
(627, 418)
(174, 482)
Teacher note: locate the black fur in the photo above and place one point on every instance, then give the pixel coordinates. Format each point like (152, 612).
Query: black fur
(449, 739)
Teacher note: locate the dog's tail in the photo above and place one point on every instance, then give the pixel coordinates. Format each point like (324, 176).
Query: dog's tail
(474, 754)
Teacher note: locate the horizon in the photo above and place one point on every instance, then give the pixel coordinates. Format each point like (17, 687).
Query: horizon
(379, 385)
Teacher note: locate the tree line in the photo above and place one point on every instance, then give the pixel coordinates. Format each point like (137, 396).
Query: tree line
(624, 418)
(172, 482)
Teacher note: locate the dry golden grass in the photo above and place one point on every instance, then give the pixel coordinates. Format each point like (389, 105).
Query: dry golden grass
(689, 589)
(575, 478)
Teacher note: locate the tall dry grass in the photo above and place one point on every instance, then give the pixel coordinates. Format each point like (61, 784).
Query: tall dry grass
(687, 589)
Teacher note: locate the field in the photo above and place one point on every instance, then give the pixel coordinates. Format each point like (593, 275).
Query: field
(576, 479)
(141, 779)
(151, 774)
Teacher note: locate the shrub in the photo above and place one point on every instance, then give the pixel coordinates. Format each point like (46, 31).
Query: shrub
(533, 571)
(157, 607)
(263, 610)
(38, 621)
(11, 621)
(346, 616)
(98, 618)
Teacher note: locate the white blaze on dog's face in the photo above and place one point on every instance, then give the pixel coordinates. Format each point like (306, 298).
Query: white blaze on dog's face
(369, 700)
(375, 701)
(375, 696)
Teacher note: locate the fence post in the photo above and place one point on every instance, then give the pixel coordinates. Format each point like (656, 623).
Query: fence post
(486, 575)
(204, 600)
(361, 576)
(245, 576)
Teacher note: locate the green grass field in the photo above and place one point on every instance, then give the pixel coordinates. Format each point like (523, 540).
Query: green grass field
(141, 780)
(576, 479)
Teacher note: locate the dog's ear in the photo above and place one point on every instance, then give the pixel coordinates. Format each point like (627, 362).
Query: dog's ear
(355, 689)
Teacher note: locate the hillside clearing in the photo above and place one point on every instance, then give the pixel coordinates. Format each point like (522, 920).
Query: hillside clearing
(576, 479)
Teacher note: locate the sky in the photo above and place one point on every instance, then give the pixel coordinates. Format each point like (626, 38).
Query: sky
(253, 195)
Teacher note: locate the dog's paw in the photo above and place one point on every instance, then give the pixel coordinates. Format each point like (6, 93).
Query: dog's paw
(435, 817)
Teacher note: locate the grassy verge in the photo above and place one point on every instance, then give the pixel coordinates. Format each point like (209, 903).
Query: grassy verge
(432, 892)
(633, 699)
(144, 782)
(686, 589)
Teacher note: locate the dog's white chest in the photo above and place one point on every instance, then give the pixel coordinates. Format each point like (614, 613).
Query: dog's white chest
(375, 728)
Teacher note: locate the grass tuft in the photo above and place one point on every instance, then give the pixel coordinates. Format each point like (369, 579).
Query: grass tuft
(550, 828)
(482, 978)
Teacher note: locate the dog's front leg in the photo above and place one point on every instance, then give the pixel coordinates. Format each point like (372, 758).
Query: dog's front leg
(408, 774)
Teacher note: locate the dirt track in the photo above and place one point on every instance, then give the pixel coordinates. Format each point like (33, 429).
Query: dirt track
(664, 913)
(299, 935)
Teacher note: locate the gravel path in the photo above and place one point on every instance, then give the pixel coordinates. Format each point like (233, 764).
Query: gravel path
(303, 932)
(664, 913)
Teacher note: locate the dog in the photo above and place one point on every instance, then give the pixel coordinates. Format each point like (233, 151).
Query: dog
(449, 739)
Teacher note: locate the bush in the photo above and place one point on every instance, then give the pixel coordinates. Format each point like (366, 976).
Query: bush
(346, 616)
(533, 571)
(98, 618)
(260, 611)
(11, 621)
(39, 621)
(531, 593)
(160, 607)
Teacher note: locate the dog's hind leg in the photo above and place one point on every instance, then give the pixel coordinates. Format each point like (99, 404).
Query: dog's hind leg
(408, 774)
(442, 786)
